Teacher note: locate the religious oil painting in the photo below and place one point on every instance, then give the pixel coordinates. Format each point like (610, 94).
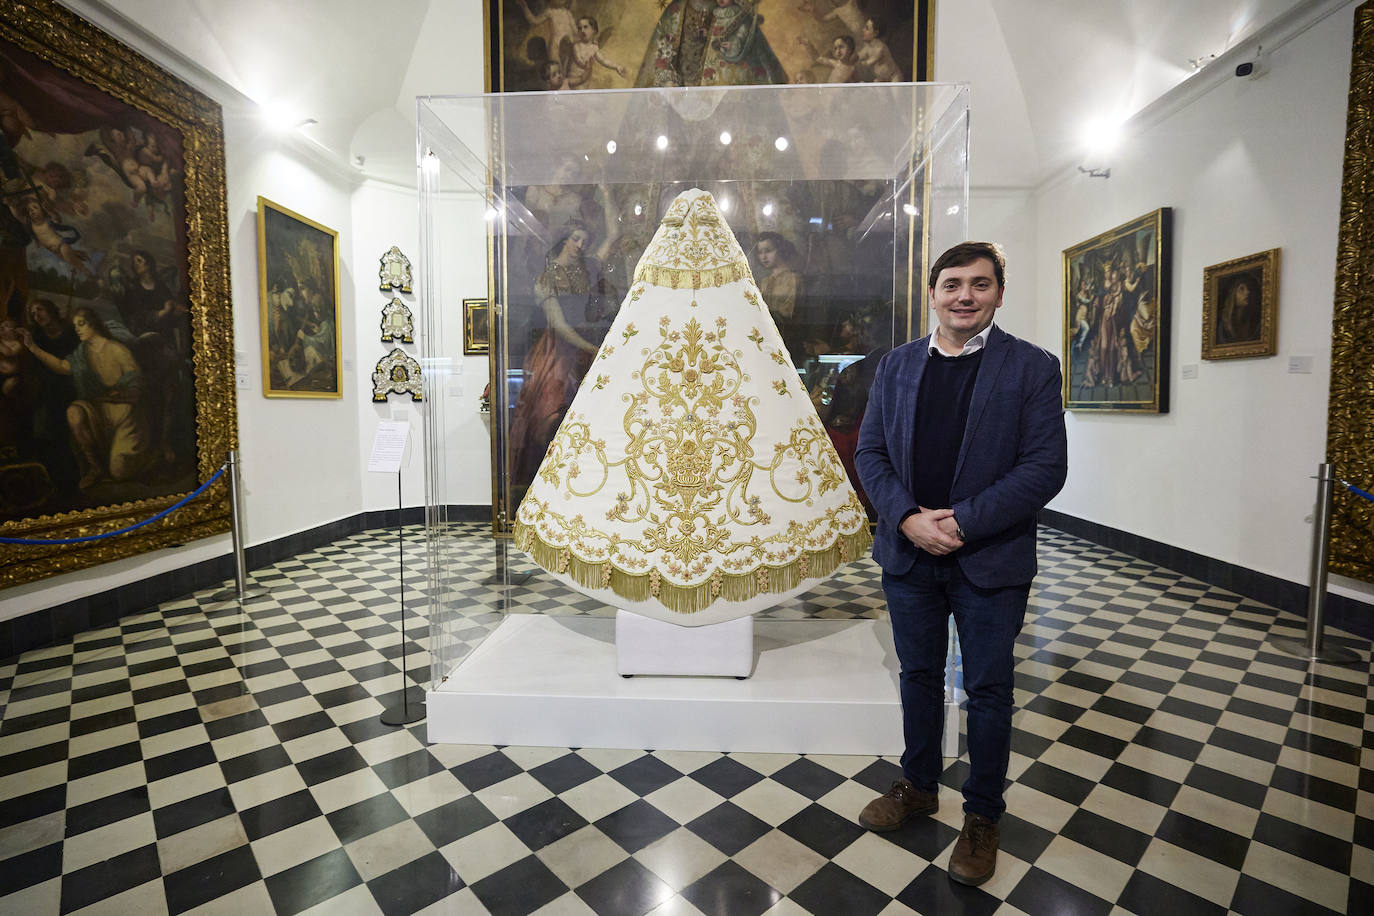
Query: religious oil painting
(115, 376)
(826, 275)
(620, 44)
(1240, 307)
(1116, 318)
(298, 288)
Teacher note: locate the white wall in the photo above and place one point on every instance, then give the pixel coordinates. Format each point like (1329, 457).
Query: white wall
(298, 454)
(385, 215)
(1248, 166)
(1007, 217)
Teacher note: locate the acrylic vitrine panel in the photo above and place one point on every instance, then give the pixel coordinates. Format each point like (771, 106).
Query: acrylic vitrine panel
(543, 203)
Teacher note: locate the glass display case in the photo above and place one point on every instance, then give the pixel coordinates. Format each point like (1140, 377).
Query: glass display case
(840, 194)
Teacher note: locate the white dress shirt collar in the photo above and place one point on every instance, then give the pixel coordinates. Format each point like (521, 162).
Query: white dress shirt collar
(971, 346)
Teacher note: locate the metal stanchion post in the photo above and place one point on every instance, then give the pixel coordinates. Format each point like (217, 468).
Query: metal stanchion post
(1311, 648)
(243, 591)
(411, 706)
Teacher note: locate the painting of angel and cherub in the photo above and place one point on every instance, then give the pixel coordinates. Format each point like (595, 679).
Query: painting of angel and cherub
(97, 393)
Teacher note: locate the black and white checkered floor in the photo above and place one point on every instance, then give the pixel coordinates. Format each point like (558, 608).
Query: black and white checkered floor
(199, 757)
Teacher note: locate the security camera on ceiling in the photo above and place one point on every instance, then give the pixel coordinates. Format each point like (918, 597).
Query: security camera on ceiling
(1253, 68)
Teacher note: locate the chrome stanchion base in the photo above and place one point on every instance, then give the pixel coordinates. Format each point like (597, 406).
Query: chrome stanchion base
(1335, 655)
(410, 709)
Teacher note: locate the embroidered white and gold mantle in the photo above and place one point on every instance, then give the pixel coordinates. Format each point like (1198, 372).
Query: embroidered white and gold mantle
(691, 480)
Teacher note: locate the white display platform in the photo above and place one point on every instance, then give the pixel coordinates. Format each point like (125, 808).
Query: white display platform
(644, 645)
(818, 687)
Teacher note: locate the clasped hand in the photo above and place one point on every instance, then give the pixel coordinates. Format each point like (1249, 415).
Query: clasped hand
(933, 530)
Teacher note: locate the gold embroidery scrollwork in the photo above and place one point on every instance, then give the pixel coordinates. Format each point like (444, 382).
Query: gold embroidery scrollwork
(689, 465)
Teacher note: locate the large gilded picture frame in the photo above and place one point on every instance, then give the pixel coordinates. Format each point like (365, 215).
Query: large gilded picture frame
(298, 294)
(545, 44)
(116, 334)
(1116, 318)
(833, 299)
(1350, 406)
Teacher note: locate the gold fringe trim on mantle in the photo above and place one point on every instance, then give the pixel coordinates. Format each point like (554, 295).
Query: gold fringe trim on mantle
(690, 599)
(688, 278)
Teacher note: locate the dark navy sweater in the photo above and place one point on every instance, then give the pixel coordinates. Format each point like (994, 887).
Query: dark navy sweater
(941, 414)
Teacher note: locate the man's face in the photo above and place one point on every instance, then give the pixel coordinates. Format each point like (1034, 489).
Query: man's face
(965, 298)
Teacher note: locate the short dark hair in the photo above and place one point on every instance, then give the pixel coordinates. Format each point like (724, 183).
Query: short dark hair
(965, 253)
(590, 20)
(879, 27)
(848, 41)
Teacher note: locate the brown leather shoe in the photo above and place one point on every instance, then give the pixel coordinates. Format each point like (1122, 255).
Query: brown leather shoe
(975, 854)
(902, 801)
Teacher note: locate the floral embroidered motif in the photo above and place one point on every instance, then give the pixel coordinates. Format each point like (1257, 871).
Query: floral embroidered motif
(693, 248)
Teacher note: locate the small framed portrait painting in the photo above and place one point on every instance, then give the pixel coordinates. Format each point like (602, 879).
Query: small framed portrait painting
(1240, 307)
(476, 327)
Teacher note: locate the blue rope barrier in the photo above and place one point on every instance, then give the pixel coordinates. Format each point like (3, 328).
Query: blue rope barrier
(109, 534)
(1357, 491)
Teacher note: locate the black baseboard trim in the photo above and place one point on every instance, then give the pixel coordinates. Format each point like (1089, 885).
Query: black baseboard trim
(54, 625)
(1341, 612)
(50, 626)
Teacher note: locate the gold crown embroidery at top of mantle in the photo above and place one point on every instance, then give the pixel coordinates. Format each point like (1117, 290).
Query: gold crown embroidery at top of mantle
(693, 248)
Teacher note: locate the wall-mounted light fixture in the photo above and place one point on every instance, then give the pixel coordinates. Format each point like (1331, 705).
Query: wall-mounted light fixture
(281, 118)
(1100, 139)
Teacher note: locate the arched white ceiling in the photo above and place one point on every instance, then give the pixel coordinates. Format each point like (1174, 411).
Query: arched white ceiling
(1038, 69)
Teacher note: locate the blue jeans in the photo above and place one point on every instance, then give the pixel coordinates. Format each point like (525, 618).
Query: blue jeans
(988, 619)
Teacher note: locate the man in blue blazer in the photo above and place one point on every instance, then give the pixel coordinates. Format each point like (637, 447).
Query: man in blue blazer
(962, 444)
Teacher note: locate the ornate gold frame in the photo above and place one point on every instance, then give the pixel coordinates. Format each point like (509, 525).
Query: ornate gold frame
(1160, 223)
(473, 343)
(922, 51)
(1266, 264)
(56, 35)
(1350, 407)
(267, 390)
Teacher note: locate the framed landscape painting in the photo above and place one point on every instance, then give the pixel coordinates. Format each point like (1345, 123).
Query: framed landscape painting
(298, 293)
(116, 343)
(1116, 318)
